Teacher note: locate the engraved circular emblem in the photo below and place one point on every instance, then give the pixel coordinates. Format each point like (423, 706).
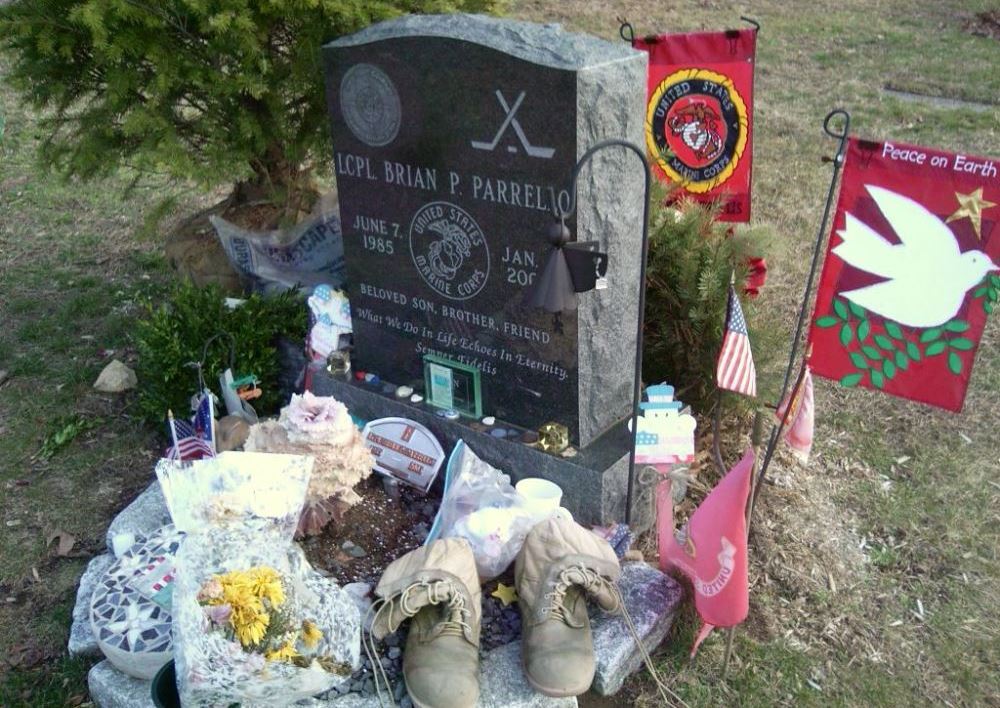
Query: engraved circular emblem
(370, 105)
(449, 250)
(696, 128)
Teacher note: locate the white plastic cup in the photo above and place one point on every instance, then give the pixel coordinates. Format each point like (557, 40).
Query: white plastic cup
(541, 497)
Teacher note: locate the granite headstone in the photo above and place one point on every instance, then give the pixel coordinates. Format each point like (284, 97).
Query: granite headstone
(452, 135)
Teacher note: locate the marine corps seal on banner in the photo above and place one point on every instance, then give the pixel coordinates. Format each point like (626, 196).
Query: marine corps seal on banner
(699, 114)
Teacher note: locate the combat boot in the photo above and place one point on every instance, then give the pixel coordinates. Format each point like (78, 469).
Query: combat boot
(560, 566)
(438, 587)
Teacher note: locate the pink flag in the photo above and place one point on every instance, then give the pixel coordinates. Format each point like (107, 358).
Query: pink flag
(799, 426)
(711, 549)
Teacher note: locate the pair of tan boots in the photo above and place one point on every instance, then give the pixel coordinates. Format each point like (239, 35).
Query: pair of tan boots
(560, 566)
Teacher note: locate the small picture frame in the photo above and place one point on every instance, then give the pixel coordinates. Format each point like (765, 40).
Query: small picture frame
(453, 385)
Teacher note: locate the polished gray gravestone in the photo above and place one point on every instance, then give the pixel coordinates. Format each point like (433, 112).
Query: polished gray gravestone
(449, 132)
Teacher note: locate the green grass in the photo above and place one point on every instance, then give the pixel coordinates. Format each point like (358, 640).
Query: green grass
(73, 265)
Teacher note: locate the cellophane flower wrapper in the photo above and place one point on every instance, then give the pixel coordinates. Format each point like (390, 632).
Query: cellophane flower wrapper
(241, 520)
(247, 490)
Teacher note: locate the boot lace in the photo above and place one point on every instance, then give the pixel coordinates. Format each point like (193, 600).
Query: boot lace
(441, 592)
(594, 582)
(585, 577)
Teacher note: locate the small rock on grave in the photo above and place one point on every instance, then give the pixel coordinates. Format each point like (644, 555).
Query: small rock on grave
(115, 378)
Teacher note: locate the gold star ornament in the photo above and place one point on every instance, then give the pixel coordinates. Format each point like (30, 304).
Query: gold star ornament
(971, 206)
(505, 594)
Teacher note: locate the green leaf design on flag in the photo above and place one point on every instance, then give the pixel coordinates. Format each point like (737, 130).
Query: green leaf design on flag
(961, 343)
(888, 368)
(913, 351)
(902, 361)
(979, 292)
(828, 321)
(988, 306)
(954, 363)
(840, 309)
(957, 326)
(850, 380)
(893, 329)
(935, 349)
(883, 341)
(992, 295)
(856, 310)
(858, 360)
(929, 335)
(846, 334)
(871, 352)
(863, 330)
(878, 380)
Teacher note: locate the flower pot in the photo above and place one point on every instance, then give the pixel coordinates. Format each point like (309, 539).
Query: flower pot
(164, 687)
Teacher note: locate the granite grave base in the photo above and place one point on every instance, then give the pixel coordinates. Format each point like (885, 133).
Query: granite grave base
(594, 480)
(650, 596)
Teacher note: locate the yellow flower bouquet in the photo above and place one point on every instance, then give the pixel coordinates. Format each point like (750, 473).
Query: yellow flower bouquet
(250, 606)
(253, 622)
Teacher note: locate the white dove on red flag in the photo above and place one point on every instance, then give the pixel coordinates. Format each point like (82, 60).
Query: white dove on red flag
(911, 273)
(927, 275)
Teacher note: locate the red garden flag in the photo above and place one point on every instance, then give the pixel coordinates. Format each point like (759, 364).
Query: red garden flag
(911, 272)
(699, 114)
(735, 370)
(711, 549)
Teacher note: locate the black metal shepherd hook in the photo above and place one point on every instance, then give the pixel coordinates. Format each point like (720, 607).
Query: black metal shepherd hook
(562, 213)
(838, 163)
(626, 31)
(200, 365)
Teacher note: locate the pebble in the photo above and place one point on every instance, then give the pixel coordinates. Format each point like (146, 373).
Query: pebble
(360, 375)
(391, 640)
(498, 433)
(529, 437)
(394, 652)
(388, 388)
(489, 420)
(416, 398)
(372, 378)
(404, 392)
(406, 702)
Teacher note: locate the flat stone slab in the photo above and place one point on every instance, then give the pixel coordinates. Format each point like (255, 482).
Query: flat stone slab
(81, 636)
(144, 515)
(651, 598)
(502, 683)
(110, 688)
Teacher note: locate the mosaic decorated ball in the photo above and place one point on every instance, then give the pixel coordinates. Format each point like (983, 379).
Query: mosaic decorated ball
(130, 607)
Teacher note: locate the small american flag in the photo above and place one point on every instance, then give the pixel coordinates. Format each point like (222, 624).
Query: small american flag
(193, 440)
(735, 370)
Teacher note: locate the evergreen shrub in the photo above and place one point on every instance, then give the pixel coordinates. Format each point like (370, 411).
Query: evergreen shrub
(692, 257)
(173, 334)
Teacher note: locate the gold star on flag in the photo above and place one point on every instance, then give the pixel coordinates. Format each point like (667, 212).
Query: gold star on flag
(505, 594)
(971, 206)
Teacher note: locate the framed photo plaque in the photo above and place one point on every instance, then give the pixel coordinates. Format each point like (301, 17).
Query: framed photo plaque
(453, 385)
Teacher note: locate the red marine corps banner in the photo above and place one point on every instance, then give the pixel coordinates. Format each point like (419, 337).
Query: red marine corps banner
(699, 114)
(911, 272)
